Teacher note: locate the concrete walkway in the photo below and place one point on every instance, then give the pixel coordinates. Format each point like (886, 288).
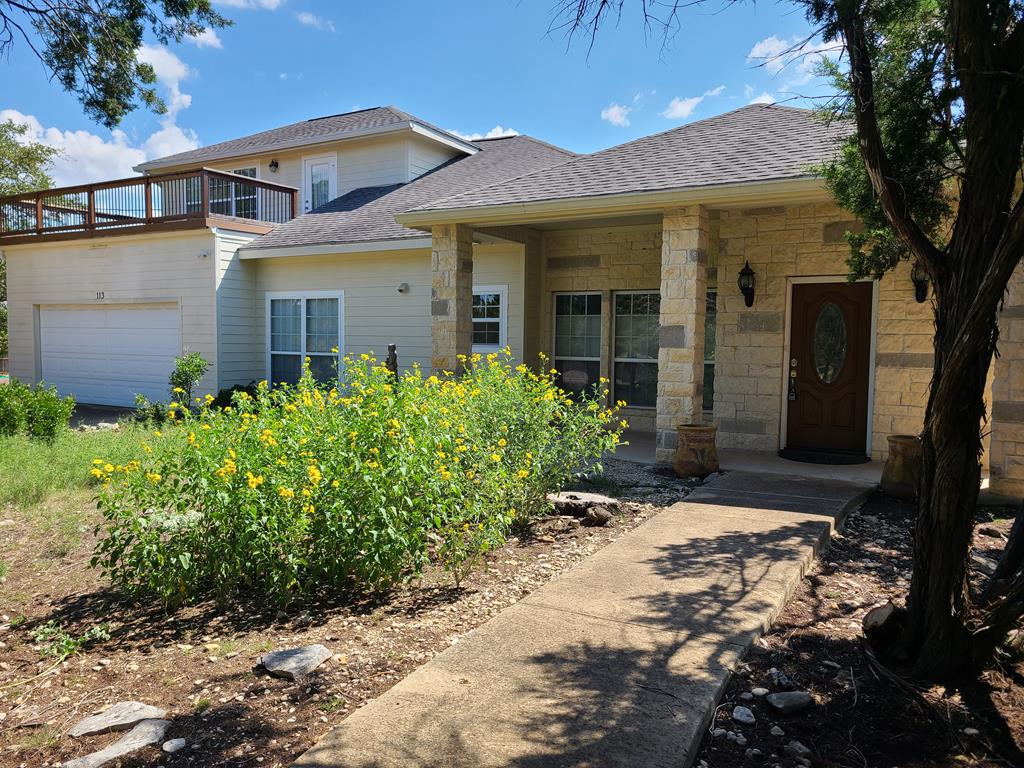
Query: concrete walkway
(617, 662)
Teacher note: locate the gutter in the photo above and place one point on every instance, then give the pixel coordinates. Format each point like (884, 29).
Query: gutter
(340, 136)
(722, 195)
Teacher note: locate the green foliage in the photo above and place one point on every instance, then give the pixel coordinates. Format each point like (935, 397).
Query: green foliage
(39, 412)
(4, 348)
(92, 46)
(24, 166)
(916, 101)
(299, 489)
(58, 643)
(188, 370)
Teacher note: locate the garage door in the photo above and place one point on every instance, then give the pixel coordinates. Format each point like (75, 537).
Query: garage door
(105, 355)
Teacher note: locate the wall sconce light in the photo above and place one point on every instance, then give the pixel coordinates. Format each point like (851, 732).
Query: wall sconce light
(746, 283)
(274, 166)
(403, 287)
(919, 277)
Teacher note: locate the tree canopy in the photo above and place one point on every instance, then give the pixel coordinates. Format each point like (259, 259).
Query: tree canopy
(91, 46)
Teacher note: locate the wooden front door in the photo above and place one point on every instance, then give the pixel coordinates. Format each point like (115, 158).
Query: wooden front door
(829, 362)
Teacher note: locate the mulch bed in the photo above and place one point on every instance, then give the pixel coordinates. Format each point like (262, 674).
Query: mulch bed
(198, 663)
(861, 716)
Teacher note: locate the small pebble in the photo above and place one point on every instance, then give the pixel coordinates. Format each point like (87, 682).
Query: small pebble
(971, 731)
(743, 715)
(746, 695)
(776, 731)
(759, 692)
(173, 745)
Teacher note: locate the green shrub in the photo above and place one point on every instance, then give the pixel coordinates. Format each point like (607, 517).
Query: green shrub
(298, 489)
(188, 370)
(47, 413)
(38, 412)
(12, 408)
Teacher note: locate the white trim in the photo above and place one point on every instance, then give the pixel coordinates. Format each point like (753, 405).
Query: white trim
(327, 249)
(502, 291)
(270, 296)
(787, 330)
(307, 191)
(171, 162)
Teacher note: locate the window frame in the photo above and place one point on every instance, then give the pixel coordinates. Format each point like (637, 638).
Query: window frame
(502, 291)
(232, 195)
(705, 407)
(645, 360)
(554, 331)
(303, 296)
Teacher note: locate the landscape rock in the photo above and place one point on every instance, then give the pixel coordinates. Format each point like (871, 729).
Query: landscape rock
(173, 745)
(776, 731)
(294, 663)
(779, 679)
(578, 503)
(796, 749)
(597, 516)
(144, 734)
(118, 717)
(759, 692)
(746, 695)
(789, 702)
(743, 715)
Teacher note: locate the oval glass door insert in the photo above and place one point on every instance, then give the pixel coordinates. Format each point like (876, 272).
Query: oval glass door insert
(829, 342)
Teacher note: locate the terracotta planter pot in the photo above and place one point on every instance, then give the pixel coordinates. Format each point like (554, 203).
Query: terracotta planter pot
(696, 454)
(903, 467)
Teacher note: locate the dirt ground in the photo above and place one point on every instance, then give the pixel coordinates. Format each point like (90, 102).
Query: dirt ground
(199, 663)
(862, 717)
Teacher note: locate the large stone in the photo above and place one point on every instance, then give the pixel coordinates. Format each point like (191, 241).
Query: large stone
(743, 715)
(118, 717)
(578, 503)
(789, 702)
(144, 734)
(295, 663)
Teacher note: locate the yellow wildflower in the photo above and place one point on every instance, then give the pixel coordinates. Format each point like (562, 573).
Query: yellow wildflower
(314, 474)
(285, 493)
(154, 477)
(254, 481)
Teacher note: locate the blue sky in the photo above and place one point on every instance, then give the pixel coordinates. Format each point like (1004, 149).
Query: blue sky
(470, 67)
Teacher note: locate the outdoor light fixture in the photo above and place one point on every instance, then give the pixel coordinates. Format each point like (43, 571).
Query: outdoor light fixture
(403, 287)
(746, 283)
(919, 278)
(274, 166)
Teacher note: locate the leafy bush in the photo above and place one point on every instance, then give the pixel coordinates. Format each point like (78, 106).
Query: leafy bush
(188, 370)
(38, 412)
(297, 489)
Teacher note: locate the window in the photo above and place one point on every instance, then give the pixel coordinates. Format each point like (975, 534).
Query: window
(303, 326)
(234, 198)
(636, 348)
(489, 307)
(710, 323)
(578, 341)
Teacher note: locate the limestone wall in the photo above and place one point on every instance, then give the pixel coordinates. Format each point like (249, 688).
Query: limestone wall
(1006, 454)
(805, 241)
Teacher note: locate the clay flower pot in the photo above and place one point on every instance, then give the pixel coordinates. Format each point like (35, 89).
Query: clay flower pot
(696, 454)
(903, 467)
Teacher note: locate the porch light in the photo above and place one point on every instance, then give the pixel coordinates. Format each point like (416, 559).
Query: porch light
(746, 283)
(919, 277)
(274, 166)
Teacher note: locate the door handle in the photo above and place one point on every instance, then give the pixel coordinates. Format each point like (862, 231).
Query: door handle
(792, 380)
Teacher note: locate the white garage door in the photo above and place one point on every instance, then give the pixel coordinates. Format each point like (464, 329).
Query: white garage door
(105, 355)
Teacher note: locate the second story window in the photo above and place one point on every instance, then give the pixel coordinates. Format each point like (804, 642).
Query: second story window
(234, 198)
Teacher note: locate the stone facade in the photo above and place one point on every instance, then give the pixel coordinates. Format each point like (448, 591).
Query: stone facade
(1006, 452)
(601, 260)
(805, 241)
(451, 298)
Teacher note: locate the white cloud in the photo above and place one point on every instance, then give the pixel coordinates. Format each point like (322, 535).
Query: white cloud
(763, 98)
(797, 58)
(170, 71)
(680, 109)
(312, 20)
(269, 5)
(283, 76)
(208, 38)
(616, 114)
(497, 132)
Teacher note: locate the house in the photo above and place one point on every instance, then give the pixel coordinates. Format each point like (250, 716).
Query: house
(374, 227)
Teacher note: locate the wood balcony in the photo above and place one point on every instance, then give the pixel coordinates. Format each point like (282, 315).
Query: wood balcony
(197, 198)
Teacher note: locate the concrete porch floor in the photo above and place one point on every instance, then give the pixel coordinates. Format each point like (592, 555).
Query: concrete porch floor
(641, 450)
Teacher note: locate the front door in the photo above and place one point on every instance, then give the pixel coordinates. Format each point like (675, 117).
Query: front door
(829, 363)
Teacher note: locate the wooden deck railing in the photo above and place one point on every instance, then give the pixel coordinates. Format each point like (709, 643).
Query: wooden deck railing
(145, 200)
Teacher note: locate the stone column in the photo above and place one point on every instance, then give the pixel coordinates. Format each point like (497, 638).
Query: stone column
(684, 259)
(1006, 454)
(451, 299)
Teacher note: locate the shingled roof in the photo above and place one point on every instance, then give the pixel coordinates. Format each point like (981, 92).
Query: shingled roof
(368, 214)
(752, 144)
(313, 131)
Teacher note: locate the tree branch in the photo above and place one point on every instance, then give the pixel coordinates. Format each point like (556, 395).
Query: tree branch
(872, 151)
